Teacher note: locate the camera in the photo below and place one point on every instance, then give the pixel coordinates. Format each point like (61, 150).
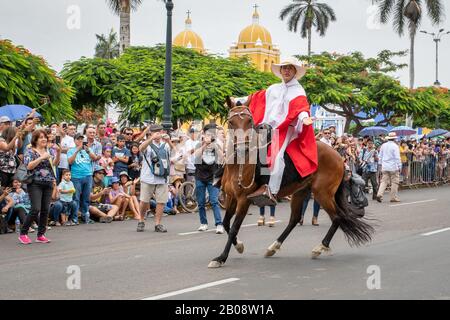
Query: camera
(58, 139)
(85, 144)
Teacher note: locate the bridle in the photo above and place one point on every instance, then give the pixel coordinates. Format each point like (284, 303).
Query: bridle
(244, 112)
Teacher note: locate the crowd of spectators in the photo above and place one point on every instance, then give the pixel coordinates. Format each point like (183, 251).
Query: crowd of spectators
(65, 174)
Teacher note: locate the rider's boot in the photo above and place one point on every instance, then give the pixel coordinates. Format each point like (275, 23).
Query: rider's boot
(262, 197)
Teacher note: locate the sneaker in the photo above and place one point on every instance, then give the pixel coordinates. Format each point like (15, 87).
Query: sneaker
(271, 222)
(31, 230)
(90, 221)
(52, 223)
(379, 199)
(34, 225)
(106, 219)
(140, 227)
(261, 221)
(42, 239)
(58, 224)
(24, 239)
(160, 228)
(203, 227)
(220, 229)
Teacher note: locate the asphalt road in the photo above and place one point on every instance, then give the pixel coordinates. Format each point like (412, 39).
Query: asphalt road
(404, 260)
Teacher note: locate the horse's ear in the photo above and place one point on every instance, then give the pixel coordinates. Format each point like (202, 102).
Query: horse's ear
(249, 100)
(230, 102)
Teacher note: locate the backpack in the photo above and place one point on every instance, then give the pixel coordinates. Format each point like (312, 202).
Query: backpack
(160, 163)
(357, 196)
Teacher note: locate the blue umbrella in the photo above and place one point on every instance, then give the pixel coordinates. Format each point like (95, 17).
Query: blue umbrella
(403, 131)
(16, 112)
(436, 132)
(373, 131)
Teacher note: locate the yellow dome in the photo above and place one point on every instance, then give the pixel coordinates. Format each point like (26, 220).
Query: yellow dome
(255, 32)
(189, 39)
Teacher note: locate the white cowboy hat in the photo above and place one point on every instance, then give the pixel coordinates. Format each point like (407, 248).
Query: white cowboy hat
(391, 136)
(301, 69)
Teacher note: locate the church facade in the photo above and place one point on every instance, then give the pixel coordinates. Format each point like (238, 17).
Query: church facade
(254, 42)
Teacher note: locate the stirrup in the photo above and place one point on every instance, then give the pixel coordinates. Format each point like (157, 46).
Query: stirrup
(263, 199)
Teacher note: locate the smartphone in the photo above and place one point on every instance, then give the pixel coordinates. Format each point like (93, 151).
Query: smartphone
(58, 139)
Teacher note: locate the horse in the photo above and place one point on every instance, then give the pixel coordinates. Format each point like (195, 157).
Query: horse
(328, 184)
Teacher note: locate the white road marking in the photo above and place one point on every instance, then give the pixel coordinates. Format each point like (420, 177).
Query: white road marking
(407, 203)
(203, 286)
(214, 230)
(434, 232)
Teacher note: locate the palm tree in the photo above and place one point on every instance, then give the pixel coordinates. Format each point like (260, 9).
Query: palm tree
(410, 13)
(107, 46)
(308, 14)
(123, 8)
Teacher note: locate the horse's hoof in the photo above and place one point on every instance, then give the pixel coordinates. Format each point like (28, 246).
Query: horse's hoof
(317, 251)
(215, 264)
(239, 247)
(272, 249)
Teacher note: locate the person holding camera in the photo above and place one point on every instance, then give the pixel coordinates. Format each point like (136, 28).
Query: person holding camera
(81, 159)
(207, 160)
(154, 175)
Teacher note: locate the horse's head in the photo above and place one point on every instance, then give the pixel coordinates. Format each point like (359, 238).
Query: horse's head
(239, 116)
(241, 127)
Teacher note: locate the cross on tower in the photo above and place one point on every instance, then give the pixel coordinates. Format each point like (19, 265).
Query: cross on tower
(256, 7)
(189, 13)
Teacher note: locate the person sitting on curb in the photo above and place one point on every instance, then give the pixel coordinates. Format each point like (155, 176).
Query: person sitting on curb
(98, 207)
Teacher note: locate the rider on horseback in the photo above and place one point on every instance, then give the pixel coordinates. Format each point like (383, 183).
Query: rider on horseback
(284, 107)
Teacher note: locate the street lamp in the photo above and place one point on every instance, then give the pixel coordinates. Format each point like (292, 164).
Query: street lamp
(437, 38)
(167, 111)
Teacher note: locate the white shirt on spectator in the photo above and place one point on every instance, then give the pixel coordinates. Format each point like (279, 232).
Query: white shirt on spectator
(326, 141)
(390, 157)
(146, 174)
(66, 142)
(190, 159)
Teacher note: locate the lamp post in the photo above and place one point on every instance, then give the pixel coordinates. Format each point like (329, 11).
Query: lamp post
(167, 112)
(437, 38)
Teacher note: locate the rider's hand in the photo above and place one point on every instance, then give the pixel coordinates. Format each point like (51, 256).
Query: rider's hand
(308, 121)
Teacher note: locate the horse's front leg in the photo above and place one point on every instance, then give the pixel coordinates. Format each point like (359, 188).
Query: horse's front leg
(241, 211)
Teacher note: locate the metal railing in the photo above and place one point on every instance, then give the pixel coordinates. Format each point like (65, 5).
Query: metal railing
(429, 170)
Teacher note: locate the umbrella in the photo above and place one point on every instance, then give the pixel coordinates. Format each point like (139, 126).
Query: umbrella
(16, 112)
(447, 135)
(436, 132)
(403, 131)
(373, 131)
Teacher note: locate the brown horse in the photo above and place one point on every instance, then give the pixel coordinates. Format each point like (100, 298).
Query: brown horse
(327, 184)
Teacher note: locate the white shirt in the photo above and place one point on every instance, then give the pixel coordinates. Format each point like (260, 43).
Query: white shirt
(326, 141)
(66, 142)
(146, 174)
(190, 159)
(390, 157)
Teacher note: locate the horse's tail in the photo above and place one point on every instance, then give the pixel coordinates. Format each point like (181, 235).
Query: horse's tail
(357, 231)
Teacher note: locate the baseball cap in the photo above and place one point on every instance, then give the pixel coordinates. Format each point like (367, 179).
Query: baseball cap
(4, 119)
(156, 127)
(113, 180)
(78, 136)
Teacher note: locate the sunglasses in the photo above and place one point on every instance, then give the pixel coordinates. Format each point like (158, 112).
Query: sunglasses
(128, 133)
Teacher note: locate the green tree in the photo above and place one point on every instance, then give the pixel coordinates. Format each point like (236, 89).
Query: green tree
(135, 81)
(410, 13)
(438, 112)
(123, 8)
(351, 85)
(107, 46)
(27, 79)
(306, 14)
